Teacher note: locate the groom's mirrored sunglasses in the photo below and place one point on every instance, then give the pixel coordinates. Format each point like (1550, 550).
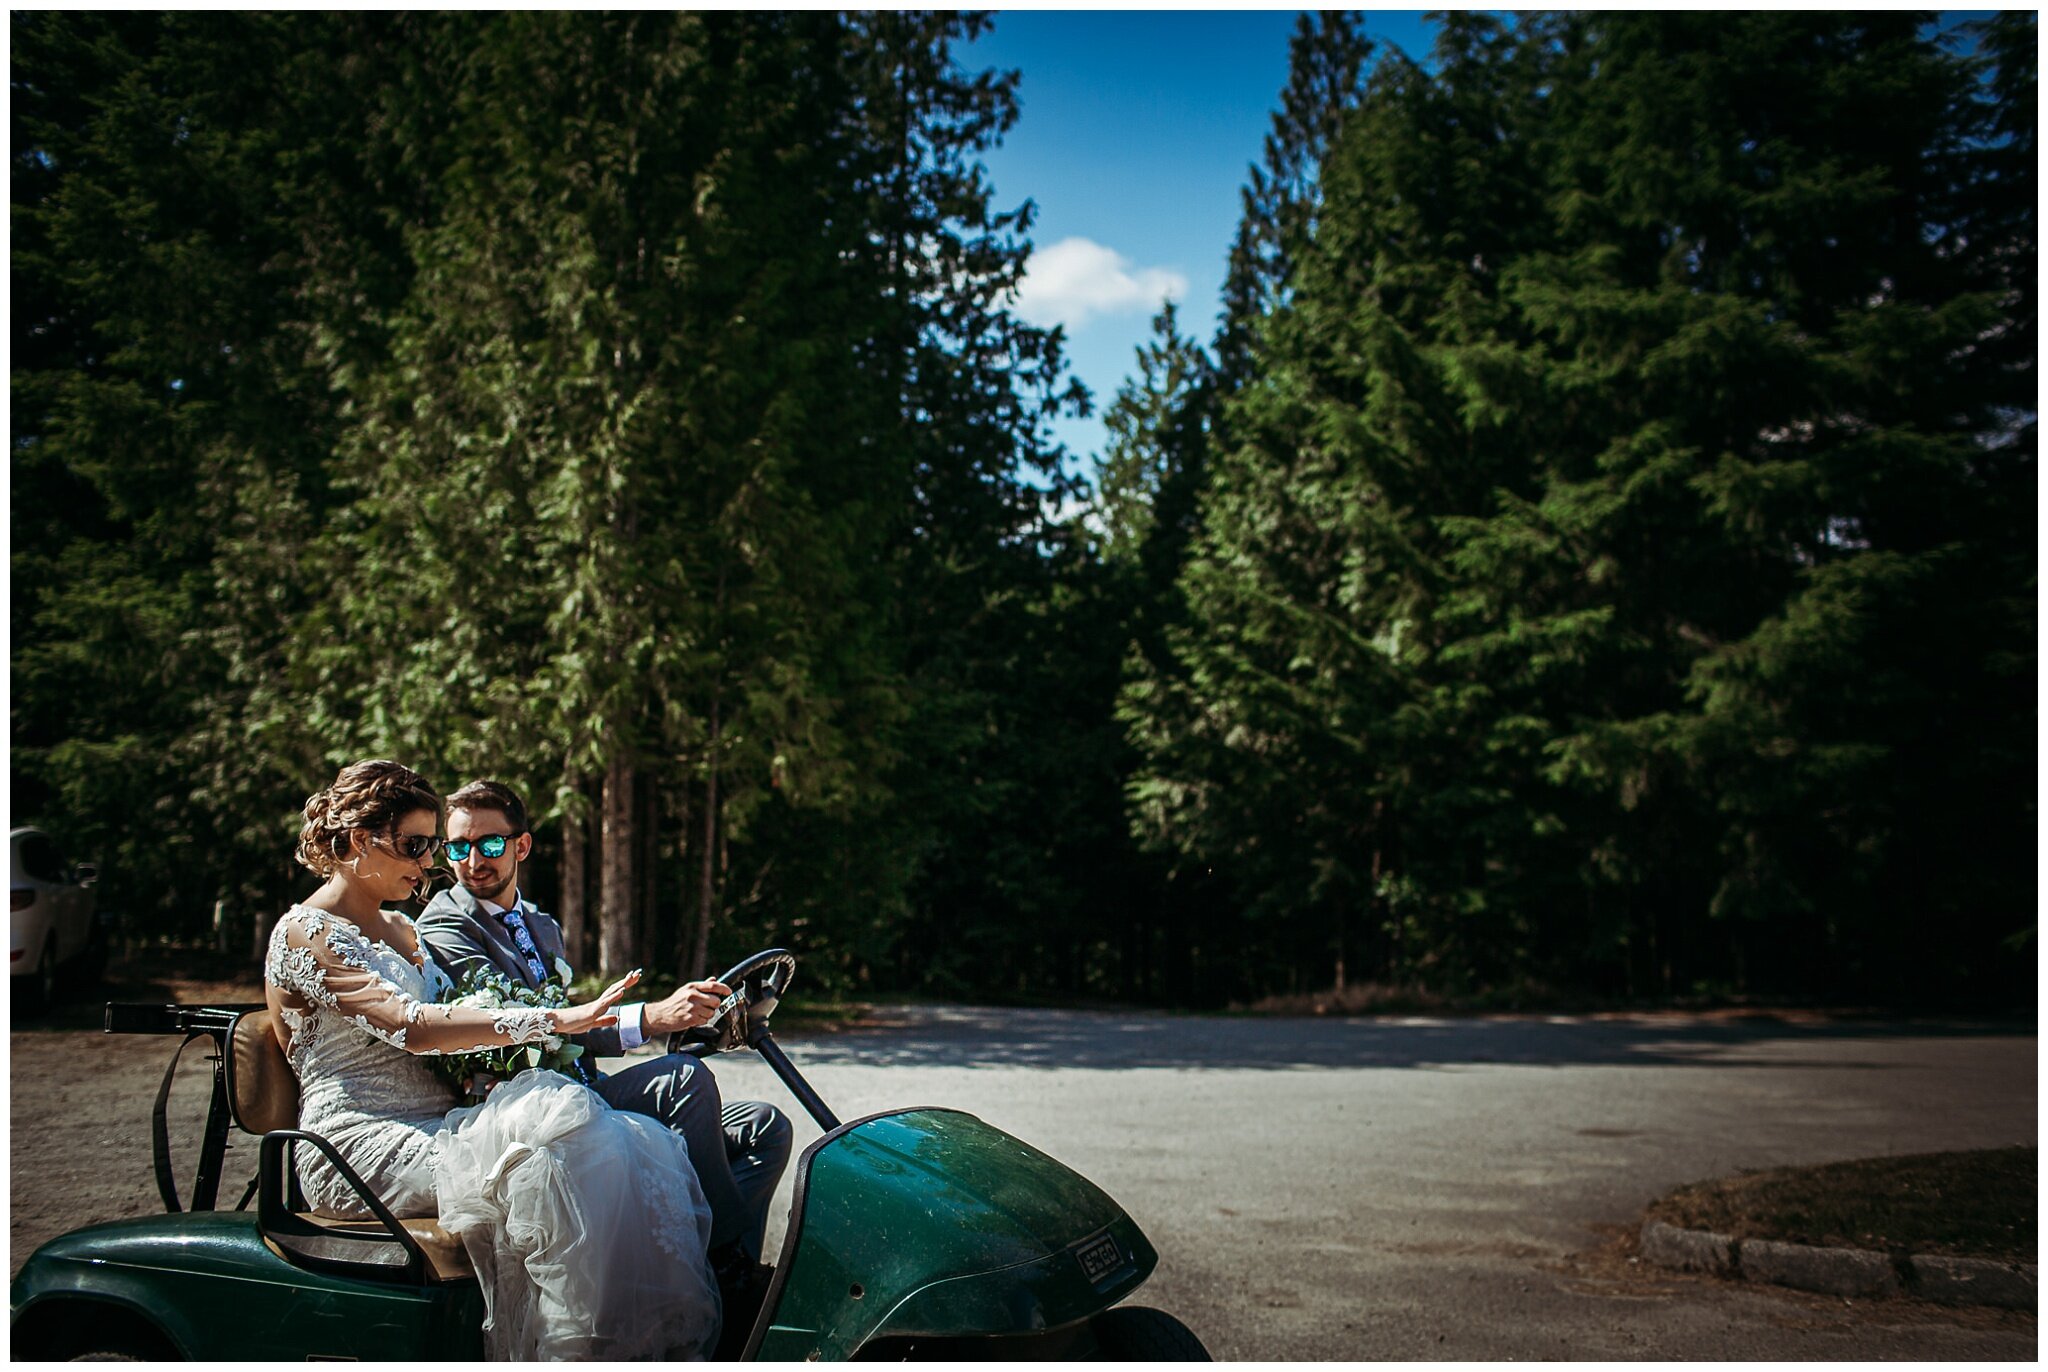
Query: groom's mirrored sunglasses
(492, 846)
(414, 847)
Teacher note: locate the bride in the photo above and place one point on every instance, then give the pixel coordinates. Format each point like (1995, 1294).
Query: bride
(587, 1225)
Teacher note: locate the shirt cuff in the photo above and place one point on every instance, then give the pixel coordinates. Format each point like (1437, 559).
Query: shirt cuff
(631, 1035)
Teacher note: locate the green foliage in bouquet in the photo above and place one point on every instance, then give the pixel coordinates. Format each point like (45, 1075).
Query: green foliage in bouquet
(482, 988)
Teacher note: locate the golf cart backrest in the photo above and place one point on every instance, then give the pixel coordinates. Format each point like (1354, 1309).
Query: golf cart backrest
(263, 1092)
(255, 1089)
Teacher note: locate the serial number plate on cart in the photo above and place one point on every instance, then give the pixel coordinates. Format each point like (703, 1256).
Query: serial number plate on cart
(1099, 1257)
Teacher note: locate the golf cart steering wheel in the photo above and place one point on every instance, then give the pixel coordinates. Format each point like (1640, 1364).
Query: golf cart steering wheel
(757, 985)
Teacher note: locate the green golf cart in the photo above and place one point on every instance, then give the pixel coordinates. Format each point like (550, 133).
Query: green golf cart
(913, 1234)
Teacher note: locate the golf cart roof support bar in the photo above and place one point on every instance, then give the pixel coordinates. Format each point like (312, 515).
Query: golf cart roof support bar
(213, 1144)
(764, 1043)
(213, 1022)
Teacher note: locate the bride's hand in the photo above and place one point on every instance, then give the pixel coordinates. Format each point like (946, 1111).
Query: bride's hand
(595, 1014)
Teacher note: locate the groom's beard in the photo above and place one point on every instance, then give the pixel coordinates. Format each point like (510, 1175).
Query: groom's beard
(495, 889)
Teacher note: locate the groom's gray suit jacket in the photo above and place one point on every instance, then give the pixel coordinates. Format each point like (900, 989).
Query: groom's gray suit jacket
(462, 934)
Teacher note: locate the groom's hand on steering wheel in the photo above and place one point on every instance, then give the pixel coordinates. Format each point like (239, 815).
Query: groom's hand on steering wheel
(693, 1004)
(595, 1014)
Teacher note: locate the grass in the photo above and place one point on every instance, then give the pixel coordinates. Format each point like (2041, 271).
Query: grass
(1968, 1205)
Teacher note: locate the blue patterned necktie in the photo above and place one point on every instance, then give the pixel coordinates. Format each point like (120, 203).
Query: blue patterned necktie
(537, 969)
(517, 924)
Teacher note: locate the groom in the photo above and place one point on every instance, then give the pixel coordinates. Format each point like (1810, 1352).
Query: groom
(739, 1149)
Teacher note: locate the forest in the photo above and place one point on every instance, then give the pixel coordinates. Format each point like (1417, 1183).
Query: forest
(1593, 560)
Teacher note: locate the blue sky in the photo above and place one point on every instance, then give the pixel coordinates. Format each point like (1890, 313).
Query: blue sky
(1136, 133)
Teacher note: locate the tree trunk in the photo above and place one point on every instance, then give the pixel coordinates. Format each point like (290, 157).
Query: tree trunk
(707, 887)
(571, 900)
(682, 930)
(616, 950)
(647, 926)
(1386, 930)
(1343, 943)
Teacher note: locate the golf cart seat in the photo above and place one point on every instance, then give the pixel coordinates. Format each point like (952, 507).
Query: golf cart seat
(263, 1099)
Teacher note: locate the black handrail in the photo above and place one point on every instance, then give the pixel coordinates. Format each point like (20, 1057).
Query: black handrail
(133, 1018)
(276, 1218)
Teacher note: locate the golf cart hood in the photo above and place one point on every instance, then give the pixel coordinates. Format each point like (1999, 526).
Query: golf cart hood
(928, 1222)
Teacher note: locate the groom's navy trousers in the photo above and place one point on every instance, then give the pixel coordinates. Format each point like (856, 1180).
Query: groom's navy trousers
(739, 1148)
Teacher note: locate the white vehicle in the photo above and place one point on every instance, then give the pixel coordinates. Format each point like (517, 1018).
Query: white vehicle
(51, 926)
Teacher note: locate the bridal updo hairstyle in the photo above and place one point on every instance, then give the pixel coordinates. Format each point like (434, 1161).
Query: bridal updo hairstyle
(374, 794)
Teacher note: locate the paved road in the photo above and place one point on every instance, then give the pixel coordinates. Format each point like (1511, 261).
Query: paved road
(1436, 1189)
(1319, 1189)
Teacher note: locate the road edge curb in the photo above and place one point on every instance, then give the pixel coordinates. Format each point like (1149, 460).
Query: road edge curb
(1841, 1271)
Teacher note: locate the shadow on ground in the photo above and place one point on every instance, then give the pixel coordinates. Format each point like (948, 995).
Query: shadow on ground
(984, 1036)
(968, 1036)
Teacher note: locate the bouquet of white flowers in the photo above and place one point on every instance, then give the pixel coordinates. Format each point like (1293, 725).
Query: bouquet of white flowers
(484, 988)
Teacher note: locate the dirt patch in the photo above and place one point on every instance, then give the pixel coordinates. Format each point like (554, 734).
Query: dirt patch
(1612, 1266)
(78, 1106)
(1977, 1204)
(79, 1099)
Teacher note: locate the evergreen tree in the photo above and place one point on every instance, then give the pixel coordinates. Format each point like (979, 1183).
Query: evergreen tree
(969, 389)
(170, 431)
(577, 400)
(1326, 64)
(1601, 553)
(1156, 429)
(1160, 428)
(608, 513)
(1644, 410)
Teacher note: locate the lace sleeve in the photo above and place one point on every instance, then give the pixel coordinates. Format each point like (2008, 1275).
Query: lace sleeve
(326, 962)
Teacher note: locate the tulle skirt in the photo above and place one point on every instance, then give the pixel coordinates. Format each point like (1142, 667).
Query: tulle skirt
(587, 1226)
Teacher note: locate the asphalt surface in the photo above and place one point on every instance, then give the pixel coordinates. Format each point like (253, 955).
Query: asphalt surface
(1368, 1190)
(1422, 1189)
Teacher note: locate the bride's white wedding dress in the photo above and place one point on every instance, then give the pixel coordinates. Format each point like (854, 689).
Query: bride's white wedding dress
(587, 1225)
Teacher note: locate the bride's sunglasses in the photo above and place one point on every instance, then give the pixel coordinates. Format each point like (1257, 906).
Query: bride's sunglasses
(414, 847)
(490, 845)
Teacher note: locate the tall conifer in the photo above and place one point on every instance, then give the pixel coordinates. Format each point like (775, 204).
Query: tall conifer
(1606, 578)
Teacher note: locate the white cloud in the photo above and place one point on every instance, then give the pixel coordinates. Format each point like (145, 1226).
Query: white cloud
(1076, 279)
